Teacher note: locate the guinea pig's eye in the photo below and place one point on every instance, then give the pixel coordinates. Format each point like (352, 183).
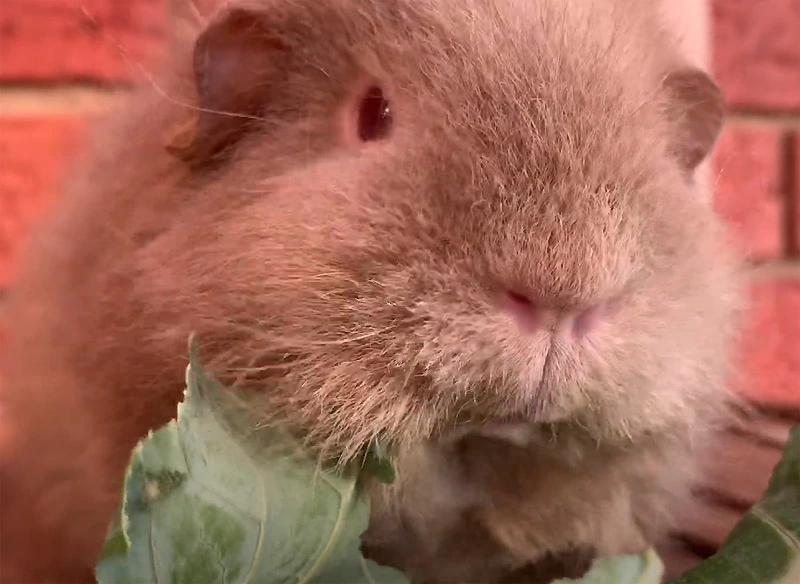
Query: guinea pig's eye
(374, 116)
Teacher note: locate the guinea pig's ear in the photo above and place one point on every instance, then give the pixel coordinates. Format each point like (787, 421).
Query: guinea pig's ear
(697, 110)
(233, 59)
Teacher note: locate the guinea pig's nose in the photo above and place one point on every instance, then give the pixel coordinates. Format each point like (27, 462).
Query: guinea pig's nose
(531, 317)
(585, 321)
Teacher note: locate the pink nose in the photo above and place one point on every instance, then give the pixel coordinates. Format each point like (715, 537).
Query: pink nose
(532, 318)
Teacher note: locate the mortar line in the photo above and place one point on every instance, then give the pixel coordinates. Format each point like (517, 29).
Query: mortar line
(782, 119)
(790, 193)
(27, 99)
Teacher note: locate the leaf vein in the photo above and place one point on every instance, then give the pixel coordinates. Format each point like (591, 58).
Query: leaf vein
(785, 534)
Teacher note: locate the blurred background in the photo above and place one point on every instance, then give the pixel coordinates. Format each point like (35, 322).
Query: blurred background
(62, 62)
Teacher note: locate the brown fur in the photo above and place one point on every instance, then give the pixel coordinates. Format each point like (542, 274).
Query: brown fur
(547, 145)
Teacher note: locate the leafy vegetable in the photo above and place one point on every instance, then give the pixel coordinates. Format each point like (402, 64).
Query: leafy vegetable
(205, 502)
(764, 547)
(212, 498)
(642, 569)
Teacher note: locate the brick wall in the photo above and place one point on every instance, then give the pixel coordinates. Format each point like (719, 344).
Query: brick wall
(756, 59)
(64, 60)
(61, 62)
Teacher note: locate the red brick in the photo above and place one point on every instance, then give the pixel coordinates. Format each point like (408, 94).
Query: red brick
(771, 344)
(78, 39)
(34, 154)
(757, 52)
(747, 188)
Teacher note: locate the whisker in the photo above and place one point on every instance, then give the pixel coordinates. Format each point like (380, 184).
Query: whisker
(150, 78)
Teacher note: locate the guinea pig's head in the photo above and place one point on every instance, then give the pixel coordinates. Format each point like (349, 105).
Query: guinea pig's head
(446, 212)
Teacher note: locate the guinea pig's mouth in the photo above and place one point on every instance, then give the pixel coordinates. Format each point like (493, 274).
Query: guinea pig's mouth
(518, 432)
(518, 427)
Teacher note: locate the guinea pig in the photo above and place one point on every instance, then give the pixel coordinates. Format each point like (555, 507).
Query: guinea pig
(468, 228)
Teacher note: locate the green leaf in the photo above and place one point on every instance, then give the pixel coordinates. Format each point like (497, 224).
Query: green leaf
(378, 462)
(219, 499)
(645, 568)
(764, 547)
